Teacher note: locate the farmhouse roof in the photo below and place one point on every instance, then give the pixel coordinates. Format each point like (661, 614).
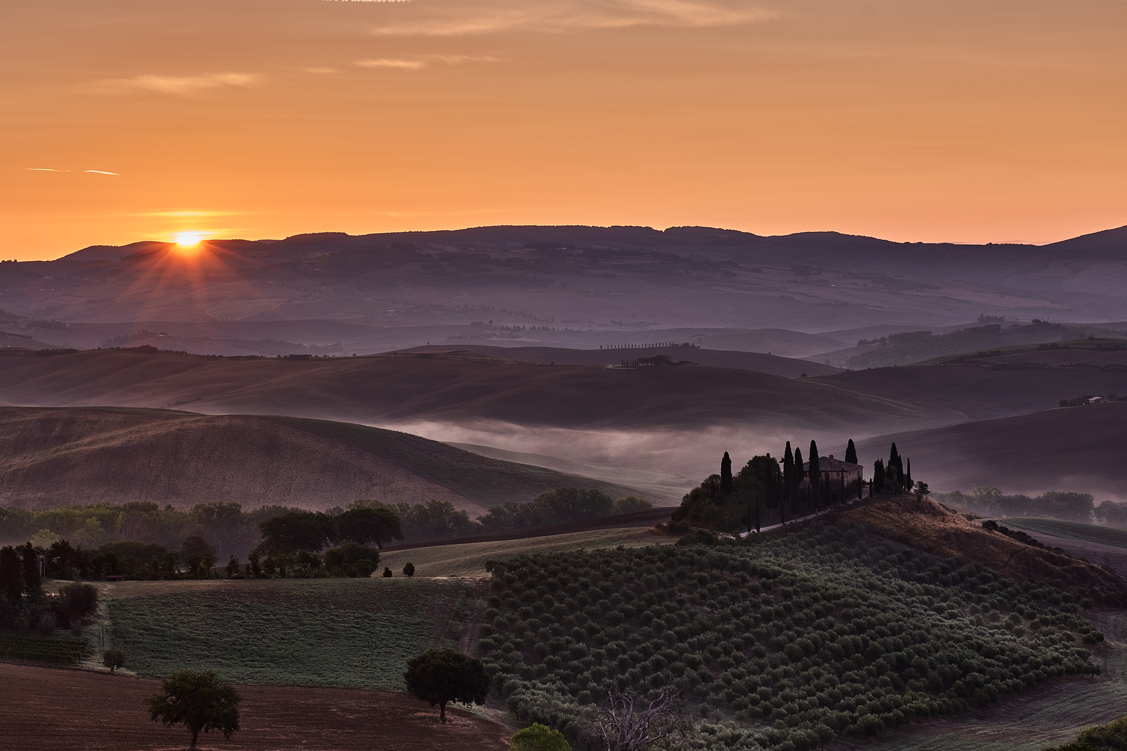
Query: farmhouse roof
(829, 464)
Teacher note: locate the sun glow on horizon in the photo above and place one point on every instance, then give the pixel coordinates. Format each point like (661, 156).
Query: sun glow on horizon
(187, 240)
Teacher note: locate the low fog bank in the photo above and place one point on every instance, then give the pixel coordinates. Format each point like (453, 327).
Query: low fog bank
(675, 459)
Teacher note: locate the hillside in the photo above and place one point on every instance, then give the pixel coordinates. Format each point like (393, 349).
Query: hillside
(1074, 448)
(757, 361)
(54, 457)
(928, 526)
(576, 287)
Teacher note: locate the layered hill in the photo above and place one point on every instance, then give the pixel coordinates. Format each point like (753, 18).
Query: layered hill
(577, 287)
(1072, 448)
(54, 457)
(637, 356)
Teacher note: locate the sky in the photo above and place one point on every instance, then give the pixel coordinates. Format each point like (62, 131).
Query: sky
(913, 120)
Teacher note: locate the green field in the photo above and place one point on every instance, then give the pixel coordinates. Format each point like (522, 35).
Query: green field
(1072, 530)
(65, 651)
(315, 632)
(468, 559)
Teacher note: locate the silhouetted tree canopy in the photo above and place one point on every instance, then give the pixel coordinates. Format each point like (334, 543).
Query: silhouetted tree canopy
(198, 701)
(441, 676)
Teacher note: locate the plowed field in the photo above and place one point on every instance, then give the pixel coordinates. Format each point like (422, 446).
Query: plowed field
(46, 709)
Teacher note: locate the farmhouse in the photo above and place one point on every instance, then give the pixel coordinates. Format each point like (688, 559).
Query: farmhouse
(834, 472)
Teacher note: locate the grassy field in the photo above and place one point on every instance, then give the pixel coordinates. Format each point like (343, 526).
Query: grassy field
(317, 632)
(468, 559)
(1072, 530)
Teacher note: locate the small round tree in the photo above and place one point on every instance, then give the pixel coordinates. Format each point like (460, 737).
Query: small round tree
(113, 659)
(441, 676)
(386, 572)
(409, 569)
(539, 737)
(198, 701)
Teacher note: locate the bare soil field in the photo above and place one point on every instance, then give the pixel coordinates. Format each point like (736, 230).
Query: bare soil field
(46, 709)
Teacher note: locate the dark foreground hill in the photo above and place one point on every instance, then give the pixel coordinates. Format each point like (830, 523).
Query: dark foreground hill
(54, 457)
(1073, 448)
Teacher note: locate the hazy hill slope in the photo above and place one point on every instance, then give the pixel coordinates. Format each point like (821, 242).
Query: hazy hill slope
(576, 286)
(758, 361)
(983, 392)
(1077, 448)
(404, 388)
(52, 457)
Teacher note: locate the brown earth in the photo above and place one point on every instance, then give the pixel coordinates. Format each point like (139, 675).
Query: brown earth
(52, 457)
(931, 527)
(48, 709)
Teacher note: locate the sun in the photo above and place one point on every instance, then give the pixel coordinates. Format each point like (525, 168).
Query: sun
(187, 239)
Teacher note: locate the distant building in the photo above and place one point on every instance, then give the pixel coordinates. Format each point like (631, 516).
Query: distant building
(834, 471)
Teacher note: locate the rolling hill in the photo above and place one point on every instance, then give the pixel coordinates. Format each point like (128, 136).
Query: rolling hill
(1074, 449)
(578, 287)
(54, 457)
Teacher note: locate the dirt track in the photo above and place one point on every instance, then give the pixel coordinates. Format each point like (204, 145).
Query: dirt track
(47, 709)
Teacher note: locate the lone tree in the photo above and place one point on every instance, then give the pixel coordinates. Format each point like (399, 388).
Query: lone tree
(851, 453)
(113, 659)
(409, 569)
(198, 701)
(441, 676)
(537, 737)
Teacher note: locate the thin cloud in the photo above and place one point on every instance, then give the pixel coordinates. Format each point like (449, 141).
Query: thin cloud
(100, 172)
(319, 71)
(424, 61)
(384, 62)
(178, 85)
(44, 169)
(489, 16)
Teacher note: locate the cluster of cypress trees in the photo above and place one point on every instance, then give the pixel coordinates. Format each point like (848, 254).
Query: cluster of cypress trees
(892, 477)
(765, 490)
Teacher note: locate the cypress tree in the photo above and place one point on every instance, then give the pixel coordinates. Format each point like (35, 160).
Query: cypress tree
(11, 579)
(878, 477)
(908, 476)
(788, 477)
(797, 479)
(815, 477)
(892, 477)
(30, 570)
(851, 452)
(726, 474)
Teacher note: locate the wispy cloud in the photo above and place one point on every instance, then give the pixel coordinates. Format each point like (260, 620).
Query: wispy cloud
(44, 169)
(385, 62)
(101, 172)
(178, 85)
(319, 70)
(448, 18)
(425, 61)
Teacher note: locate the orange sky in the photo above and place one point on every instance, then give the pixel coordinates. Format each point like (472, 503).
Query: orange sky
(991, 120)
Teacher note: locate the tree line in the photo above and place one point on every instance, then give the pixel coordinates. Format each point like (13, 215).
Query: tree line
(1063, 505)
(142, 541)
(766, 492)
